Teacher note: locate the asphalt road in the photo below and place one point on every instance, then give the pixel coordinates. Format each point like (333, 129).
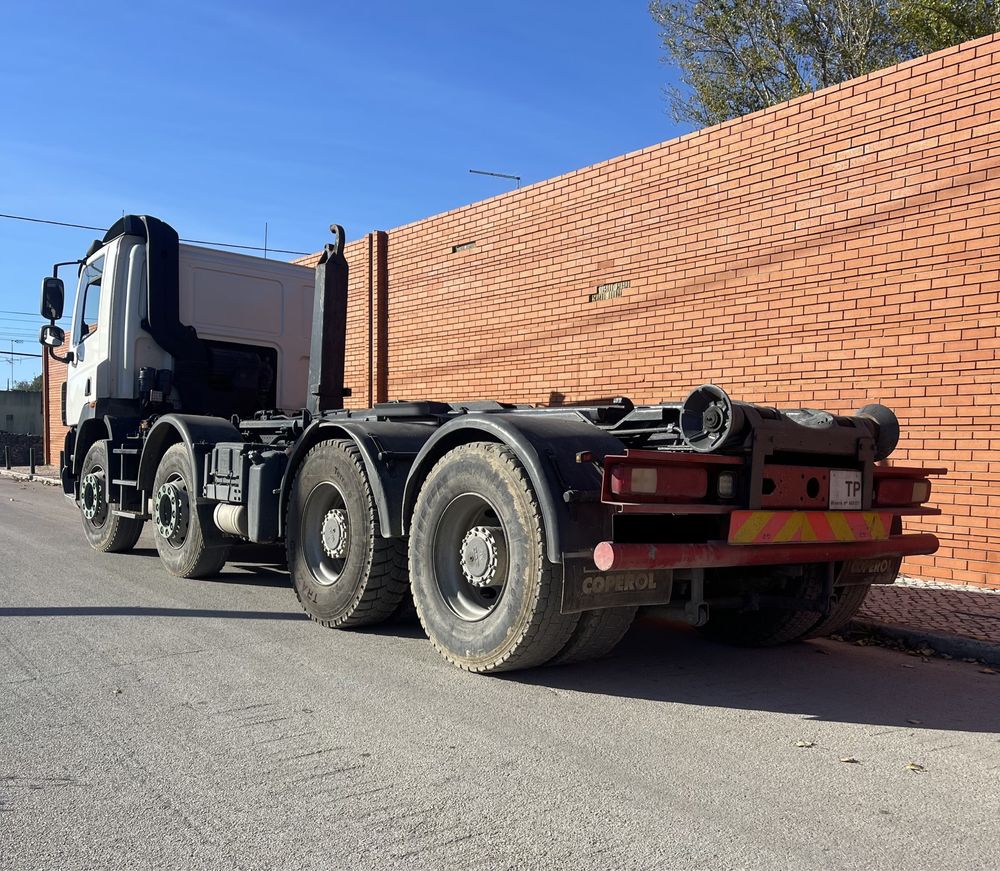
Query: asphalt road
(150, 722)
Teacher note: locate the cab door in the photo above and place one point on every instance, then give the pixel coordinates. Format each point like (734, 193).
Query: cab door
(90, 337)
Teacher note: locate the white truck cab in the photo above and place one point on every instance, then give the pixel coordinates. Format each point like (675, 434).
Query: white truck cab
(231, 328)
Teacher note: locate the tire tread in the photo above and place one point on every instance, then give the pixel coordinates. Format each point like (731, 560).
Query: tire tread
(548, 630)
(387, 583)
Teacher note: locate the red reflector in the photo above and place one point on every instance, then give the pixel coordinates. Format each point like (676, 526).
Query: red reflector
(901, 491)
(651, 483)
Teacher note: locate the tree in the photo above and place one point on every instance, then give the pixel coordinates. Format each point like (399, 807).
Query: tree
(738, 56)
(34, 385)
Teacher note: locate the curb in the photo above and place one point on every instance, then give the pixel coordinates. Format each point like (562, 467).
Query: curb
(27, 476)
(956, 646)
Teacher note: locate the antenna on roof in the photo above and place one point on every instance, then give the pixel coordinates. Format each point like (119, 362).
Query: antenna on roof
(514, 178)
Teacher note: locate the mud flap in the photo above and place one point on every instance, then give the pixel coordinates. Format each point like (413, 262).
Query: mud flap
(877, 570)
(586, 588)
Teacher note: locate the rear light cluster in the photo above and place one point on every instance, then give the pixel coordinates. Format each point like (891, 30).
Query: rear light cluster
(901, 490)
(669, 480)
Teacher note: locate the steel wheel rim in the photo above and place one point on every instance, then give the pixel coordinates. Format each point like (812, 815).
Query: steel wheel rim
(471, 568)
(326, 533)
(172, 511)
(94, 497)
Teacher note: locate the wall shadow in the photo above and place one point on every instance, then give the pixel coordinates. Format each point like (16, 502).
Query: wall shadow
(819, 680)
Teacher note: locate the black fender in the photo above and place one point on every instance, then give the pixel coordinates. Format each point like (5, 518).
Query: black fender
(547, 444)
(66, 475)
(387, 449)
(198, 432)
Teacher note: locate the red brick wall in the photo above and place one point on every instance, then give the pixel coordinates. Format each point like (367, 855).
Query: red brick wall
(832, 251)
(53, 377)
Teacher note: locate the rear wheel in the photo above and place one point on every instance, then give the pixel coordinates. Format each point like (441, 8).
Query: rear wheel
(187, 540)
(487, 596)
(344, 573)
(767, 626)
(596, 635)
(105, 531)
(846, 604)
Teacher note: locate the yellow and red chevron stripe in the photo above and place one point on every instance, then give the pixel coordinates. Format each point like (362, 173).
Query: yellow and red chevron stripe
(784, 527)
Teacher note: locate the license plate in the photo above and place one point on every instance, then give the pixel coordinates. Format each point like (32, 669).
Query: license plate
(845, 489)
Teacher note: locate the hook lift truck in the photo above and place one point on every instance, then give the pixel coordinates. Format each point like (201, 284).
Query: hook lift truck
(205, 395)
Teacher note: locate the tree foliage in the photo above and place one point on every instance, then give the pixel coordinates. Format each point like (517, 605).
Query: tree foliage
(738, 56)
(34, 385)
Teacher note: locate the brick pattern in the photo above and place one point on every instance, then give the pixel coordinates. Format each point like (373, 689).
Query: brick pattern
(831, 251)
(54, 435)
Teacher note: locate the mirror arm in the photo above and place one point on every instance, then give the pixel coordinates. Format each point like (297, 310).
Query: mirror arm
(55, 266)
(66, 358)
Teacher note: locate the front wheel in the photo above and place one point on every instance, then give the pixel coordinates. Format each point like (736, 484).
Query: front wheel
(487, 596)
(106, 531)
(187, 540)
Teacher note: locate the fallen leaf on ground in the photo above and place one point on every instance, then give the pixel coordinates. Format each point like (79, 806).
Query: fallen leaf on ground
(914, 766)
(915, 722)
(987, 671)
(850, 759)
(805, 743)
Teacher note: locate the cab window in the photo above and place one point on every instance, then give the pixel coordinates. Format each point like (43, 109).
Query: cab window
(90, 297)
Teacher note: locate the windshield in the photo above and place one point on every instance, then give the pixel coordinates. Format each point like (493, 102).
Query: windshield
(89, 295)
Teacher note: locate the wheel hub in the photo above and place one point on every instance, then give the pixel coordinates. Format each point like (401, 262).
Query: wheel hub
(335, 533)
(171, 513)
(92, 501)
(481, 556)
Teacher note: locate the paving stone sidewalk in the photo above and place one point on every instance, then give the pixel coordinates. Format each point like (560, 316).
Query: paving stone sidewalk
(955, 620)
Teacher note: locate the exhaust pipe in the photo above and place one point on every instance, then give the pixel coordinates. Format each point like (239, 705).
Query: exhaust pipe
(231, 519)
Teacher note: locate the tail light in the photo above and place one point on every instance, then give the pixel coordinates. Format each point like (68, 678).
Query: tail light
(896, 486)
(638, 483)
(669, 478)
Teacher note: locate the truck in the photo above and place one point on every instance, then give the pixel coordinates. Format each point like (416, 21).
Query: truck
(205, 396)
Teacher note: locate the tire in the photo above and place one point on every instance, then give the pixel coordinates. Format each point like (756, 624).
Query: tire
(767, 627)
(344, 573)
(485, 593)
(845, 606)
(187, 540)
(105, 531)
(596, 635)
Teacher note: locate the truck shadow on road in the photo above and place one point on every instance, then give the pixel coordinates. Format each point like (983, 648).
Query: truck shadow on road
(141, 611)
(819, 680)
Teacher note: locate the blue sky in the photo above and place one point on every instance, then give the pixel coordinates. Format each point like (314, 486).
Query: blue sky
(219, 116)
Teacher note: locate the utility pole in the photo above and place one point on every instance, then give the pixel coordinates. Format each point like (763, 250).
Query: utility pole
(10, 383)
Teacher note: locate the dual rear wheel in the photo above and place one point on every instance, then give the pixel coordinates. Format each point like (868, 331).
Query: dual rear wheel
(484, 590)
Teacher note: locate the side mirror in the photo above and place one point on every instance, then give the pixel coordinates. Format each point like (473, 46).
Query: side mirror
(53, 294)
(52, 336)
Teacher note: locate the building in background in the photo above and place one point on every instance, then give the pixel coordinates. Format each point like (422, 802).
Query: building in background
(827, 252)
(21, 412)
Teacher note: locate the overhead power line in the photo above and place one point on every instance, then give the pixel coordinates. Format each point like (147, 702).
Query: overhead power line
(5, 311)
(192, 241)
